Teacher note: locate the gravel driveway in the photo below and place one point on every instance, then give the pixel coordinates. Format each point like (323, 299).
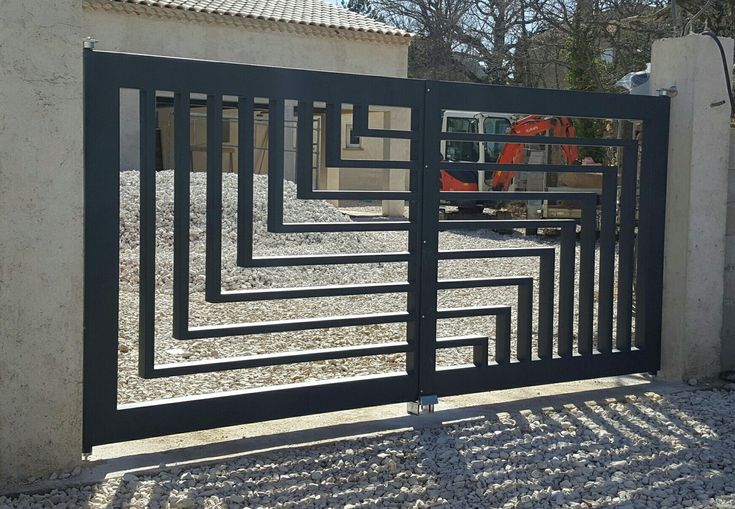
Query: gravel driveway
(641, 452)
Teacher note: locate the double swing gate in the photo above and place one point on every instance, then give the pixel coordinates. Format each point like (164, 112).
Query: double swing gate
(593, 309)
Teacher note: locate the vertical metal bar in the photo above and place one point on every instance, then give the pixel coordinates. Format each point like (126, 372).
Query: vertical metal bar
(525, 325)
(546, 306)
(607, 263)
(305, 149)
(333, 130)
(101, 249)
(213, 268)
(413, 298)
(502, 338)
(567, 255)
(480, 355)
(626, 253)
(359, 118)
(147, 269)
(182, 176)
(651, 230)
(429, 201)
(245, 166)
(275, 164)
(587, 277)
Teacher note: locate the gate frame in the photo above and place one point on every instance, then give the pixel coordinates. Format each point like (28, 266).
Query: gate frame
(104, 421)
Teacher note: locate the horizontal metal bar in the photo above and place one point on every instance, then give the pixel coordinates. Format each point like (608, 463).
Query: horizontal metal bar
(347, 226)
(453, 381)
(507, 252)
(370, 164)
(479, 346)
(514, 100)
(333, 149)
(460, 341)
(449, 224)
(519, 195)
(392, 134)
(258, 361)
(325, 194)
(360, 121)
(314, 291)
(331, 259)
(192, 413)
(451, 284)
(230, 79)
(529, 168)
(537, 140)
(444, 313)
(242, 329)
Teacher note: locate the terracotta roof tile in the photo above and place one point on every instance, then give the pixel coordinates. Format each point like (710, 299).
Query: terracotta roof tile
(308, 12)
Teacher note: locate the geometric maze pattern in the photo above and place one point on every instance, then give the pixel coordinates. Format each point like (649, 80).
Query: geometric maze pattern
(596, 347)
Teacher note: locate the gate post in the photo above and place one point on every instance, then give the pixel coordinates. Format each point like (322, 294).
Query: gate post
(696, 198)
(41, 255)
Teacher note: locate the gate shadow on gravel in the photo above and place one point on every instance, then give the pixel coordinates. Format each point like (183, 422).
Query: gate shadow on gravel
(617, 447)
(206, 453)
(621, 442)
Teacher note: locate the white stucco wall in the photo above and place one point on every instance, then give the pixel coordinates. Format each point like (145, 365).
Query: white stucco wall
(41, 257)
(120, 31)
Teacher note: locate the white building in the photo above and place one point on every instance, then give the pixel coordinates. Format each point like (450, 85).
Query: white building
(308, 34)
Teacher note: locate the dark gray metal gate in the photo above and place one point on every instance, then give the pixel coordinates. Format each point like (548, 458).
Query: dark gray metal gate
(607, 349)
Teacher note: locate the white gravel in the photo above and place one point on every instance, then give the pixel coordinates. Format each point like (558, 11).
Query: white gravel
(168, 350)
(641, 452)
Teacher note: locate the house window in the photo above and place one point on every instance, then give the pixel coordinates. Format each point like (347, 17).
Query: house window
(352, 141)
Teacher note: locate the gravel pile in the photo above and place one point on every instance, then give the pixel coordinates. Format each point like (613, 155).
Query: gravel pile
(639, 452)
(168, 350)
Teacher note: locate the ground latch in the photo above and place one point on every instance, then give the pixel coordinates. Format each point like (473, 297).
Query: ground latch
(424, 405)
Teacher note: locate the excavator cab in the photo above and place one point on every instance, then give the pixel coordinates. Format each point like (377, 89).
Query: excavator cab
(495, 152)
(470, 151)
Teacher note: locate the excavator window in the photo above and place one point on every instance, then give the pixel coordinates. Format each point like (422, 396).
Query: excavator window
(495, 125)
(462, 150)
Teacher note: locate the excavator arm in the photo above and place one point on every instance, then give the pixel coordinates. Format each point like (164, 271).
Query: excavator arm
(532, 125)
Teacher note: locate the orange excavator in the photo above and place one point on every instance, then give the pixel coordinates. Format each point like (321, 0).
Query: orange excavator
(514, 153)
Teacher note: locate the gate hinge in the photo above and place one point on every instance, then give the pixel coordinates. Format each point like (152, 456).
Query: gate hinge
(424, 405)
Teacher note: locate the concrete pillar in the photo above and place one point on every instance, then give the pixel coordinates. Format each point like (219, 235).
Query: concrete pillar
(728, 325)
(41, 256)
(696, 198)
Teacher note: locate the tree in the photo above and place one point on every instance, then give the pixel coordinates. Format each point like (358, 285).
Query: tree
(437, 25)
(364, 7)
(580, 44)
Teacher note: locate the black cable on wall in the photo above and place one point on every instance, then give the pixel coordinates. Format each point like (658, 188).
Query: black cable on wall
(724, 66)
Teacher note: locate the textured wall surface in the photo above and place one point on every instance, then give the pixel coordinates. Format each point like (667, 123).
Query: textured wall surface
(118, 31)
(40, 236)
(696, 203)
(728, 326)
